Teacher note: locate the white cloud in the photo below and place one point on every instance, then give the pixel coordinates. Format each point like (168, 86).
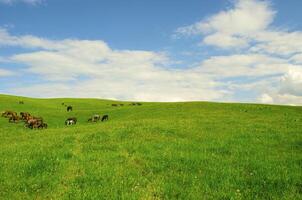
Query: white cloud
(232, 27)
(92, 69)
(5, 72)
(244, 65)
(289, 91)
(269, 57)
(276, 98)
(291, 82)
(248, 24)
(266, 98)
(247, 16)
(225, 40)
(280, 43)
(297, 58)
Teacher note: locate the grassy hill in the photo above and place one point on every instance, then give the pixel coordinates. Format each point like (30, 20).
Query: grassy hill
(194, 150)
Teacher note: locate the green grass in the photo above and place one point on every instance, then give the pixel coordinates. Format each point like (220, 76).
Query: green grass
(194, 150)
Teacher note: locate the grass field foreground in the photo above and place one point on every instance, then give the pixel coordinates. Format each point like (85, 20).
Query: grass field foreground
(193, 150)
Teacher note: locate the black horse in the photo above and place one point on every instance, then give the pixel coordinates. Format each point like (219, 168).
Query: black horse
(105, 118)
(69, 108)
(71, 121)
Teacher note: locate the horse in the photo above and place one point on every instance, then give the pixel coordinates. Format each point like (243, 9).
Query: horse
(69, 108)
(105, 118)
(14, 119)
(71, 121)
(94, 118)
(42, 125)
(8, 114)
(24, 115)
(34, 123)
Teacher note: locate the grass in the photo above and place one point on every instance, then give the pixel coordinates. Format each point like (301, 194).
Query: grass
(194, 150)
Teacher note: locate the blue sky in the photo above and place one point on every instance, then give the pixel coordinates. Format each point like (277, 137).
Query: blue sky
(222, 50)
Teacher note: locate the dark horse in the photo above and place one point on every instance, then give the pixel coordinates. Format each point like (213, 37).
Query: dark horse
(71, 121)
(105, 118)
(69, 108)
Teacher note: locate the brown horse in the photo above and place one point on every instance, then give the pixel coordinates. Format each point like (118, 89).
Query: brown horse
(24, 115)
(8, 114)
(33, 123)
(14, 119)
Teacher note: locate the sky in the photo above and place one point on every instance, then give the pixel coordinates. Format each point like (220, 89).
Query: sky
(143, 50)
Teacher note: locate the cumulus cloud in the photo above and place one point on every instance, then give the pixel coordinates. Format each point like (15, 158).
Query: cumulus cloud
(269, 57)
(244, 65)
(289, 90)
(233, 27)
(247, 24)
(279, 43)
(91, 68)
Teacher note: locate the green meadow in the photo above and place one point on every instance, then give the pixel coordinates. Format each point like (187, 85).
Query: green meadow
(193, 150)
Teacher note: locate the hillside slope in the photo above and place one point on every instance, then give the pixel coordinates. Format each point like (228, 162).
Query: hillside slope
(194, 150)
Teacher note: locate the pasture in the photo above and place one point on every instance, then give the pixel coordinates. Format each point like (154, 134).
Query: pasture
(194, 150)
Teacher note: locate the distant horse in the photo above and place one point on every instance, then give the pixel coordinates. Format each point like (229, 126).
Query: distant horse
(8, 114)
(94, 118)
(42, 125)
(105, 118)
(34, 123)
(24, 115)
(114, 105)
(71, 121)
(14, 119)
(69, 108)
(21, 102)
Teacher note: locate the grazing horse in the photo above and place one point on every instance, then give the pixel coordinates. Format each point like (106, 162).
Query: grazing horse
(8, 114)
(34, 123)
(14, 119)
(94, 118)
(21, 102)
(105, 118)
(24, 115)
(71, 121)
(114, 104)
(69, 108)
(42, 125)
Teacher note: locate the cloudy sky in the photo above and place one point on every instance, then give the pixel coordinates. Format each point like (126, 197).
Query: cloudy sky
(143, 50)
